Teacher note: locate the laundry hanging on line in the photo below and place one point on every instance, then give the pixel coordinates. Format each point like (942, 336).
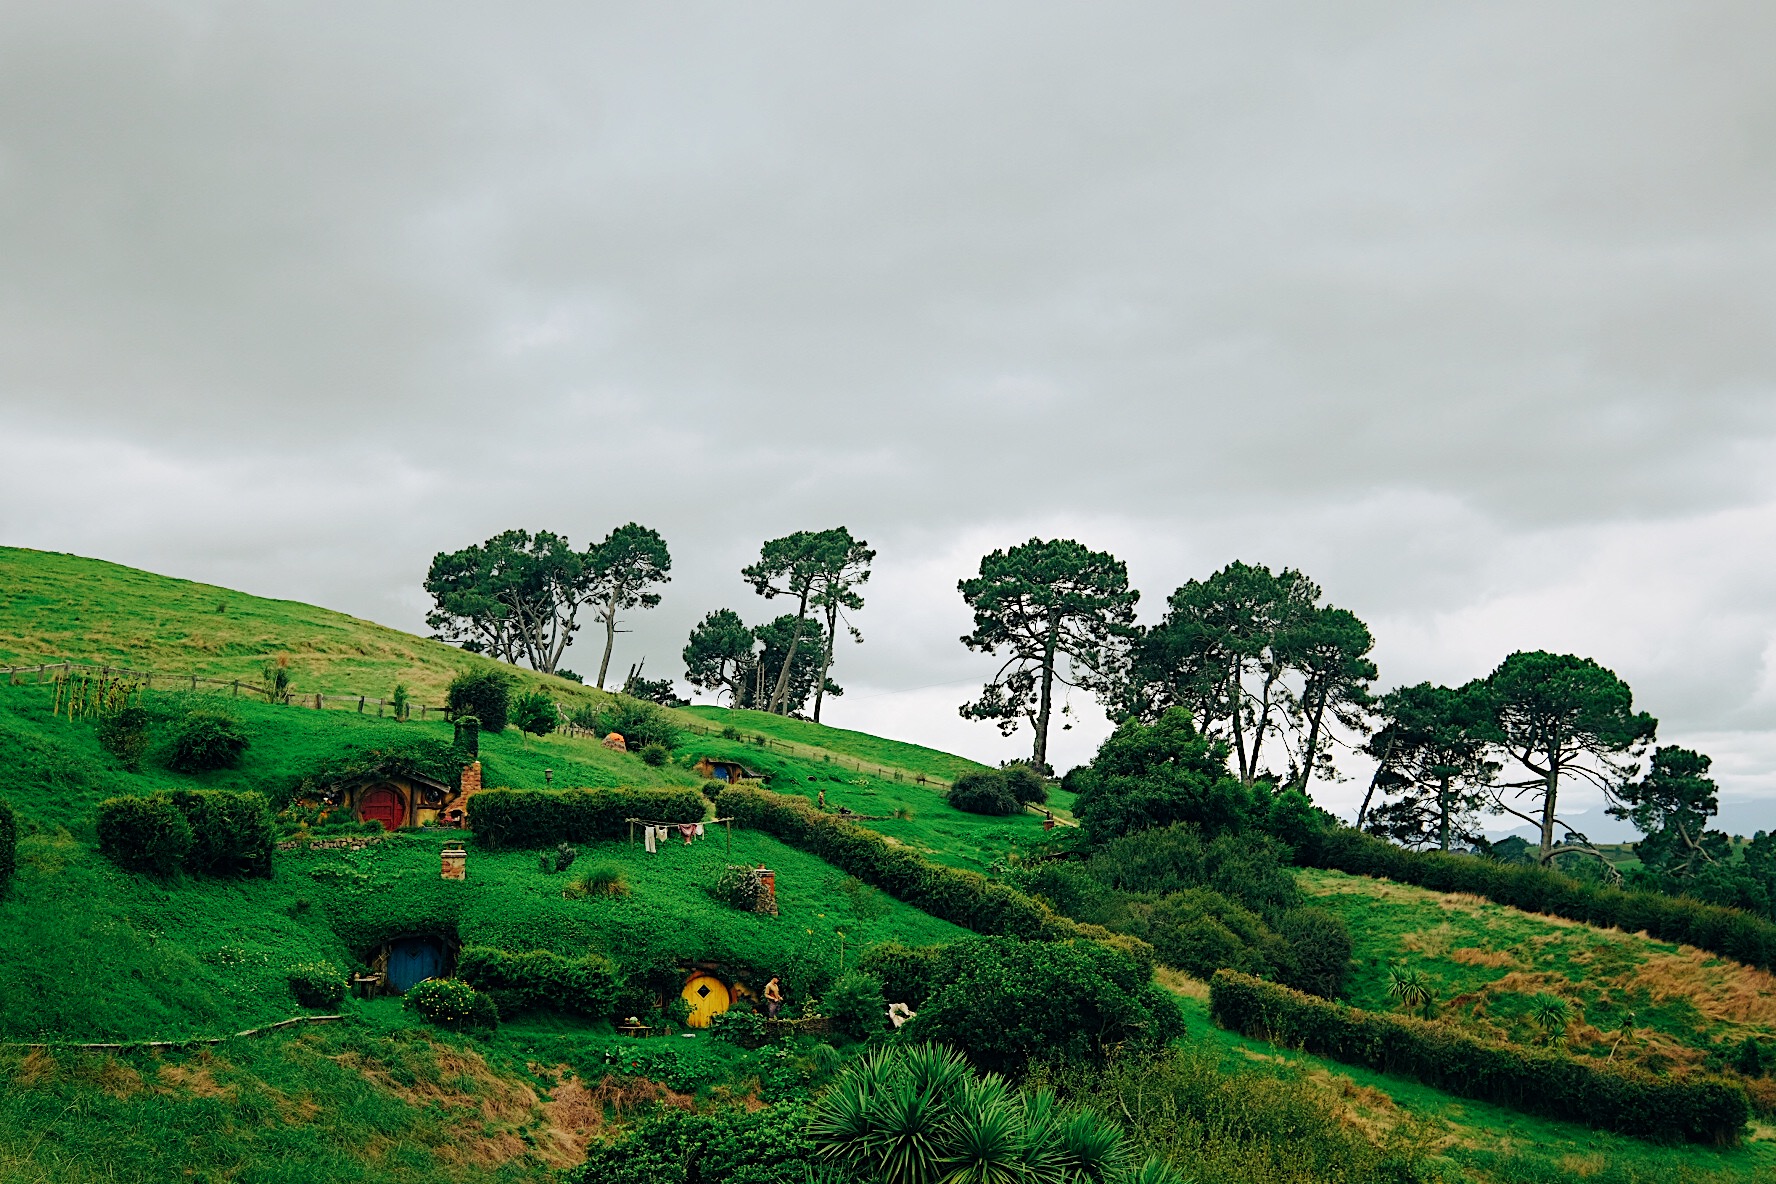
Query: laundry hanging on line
(647, 839)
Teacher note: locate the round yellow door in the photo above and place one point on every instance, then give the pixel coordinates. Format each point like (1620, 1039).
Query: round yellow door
(707, 997)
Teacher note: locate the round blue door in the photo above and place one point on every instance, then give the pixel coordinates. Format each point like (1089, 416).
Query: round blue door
(413, 960)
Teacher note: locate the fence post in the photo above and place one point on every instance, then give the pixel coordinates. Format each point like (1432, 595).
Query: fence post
(237, 688)
(360, 705)
(317, 700)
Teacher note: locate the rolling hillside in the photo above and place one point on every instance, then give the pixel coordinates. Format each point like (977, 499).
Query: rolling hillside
(91, 954)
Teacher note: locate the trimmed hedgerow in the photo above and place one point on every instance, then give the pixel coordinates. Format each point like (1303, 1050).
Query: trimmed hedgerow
(1533, 1080)
(8, 843)
(212, 832)
(510, 818)
(541, 981)
(1719, 930)
(965, 898)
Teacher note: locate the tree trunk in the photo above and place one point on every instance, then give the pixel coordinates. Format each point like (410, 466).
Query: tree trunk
(1237, 698)
(1548, 803)
(780, 693)
(1443, 813)
(1270, 676)
(1374, 780)
(610, 638)
(1040, 755)
(832, 628)
(1313, 739)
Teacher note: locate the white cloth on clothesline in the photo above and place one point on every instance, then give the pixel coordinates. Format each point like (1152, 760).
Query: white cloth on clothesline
(648, 839)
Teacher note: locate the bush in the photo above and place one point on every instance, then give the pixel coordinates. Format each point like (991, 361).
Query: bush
(231, 833)
(742, 1026)
(1026, 785)
(124, 734)
(601, 879)
(907, 973)
(484, 694)
(1005, 1002)
(210, 832)
(509, 818)
(541, 981)
(669, 1146)
(1319, 952)
(205, 740)
(452, 1003)
(1533, 1080)
(8, 843)
(316, 984)
(982, 793)
(535, 713)
(1724, 931)
(144, 834)
(855, 1005)
(738, 887)
(639, 723)
(655, 755)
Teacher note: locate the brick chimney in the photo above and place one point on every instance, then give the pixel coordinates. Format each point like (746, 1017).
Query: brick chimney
(471, 779)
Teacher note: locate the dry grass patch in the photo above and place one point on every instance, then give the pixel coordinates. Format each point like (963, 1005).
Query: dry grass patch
(1179, 983)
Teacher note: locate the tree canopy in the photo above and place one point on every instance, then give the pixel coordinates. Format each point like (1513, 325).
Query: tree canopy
(515, 597)
(809, 566)
(1057, 612)
(622, 569)
(718, 655)
(1672, 806)
(1432, 763)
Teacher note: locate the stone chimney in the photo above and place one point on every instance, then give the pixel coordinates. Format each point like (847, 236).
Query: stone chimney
(471, 779)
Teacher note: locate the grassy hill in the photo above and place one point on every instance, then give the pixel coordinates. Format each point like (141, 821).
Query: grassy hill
(88, 953)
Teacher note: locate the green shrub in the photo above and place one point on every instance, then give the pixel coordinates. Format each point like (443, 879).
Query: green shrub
(601, 879)
(484, 694)
(144, 834)
(205, 740)
(535, 713)
(982, 793)
(231, 833)
(564, 857)
(1319, 952)
(738, 887)
(907, 973)
(8, 843)
(452, 1003)
(541, 981)
(1028, 786)
(1534, 1080)
(1004, 1002)
(742, 1026)
(668, 1146)
(655, 754)
(1724, 931)
(316, 984)
(638, 722)
(855, 1005)
(124, 734)
(210, 832)
(508, 818)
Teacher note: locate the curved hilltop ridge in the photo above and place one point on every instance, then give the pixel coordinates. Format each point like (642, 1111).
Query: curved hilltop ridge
(56, 607)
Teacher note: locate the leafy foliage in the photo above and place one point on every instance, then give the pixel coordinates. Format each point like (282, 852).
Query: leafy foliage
(316, 984)
(718, 655)
(1672, 806)
(124, 734)
(1148, 775)
(638, 722)
(1004, 1002)
(983, 793)
(728, 1145)
(1535, 1080)
(1059, 613)
(621, 573)
(539, 980)
(203, 741)
(8, 843)
(508, 818)
(452, 1003)
(484, 694)
(1432, 756)
(535, 713)
(211, 832)
(855, 1005)
(655, 755)
(515, 596)
(144, 834)
(907, 973)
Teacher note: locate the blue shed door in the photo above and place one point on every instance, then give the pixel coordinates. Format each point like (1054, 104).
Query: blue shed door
(412, 960)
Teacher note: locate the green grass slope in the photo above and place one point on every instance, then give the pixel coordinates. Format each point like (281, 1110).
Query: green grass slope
(56, 607)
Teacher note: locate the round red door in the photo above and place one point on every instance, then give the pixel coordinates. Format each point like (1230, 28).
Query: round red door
(382, 804)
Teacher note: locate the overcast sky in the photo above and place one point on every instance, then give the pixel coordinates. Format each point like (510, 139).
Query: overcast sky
(1465, 310)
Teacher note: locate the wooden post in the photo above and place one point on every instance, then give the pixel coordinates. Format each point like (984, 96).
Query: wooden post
(194, 682)
(237, 688)
(317, 700)
(360, 705)
(729, 823)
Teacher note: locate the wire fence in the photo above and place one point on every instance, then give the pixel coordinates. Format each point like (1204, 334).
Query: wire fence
(44, 672)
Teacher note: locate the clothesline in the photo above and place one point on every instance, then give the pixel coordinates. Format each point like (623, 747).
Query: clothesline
(650, 825)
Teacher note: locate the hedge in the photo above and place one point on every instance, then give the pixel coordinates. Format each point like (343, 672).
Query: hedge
(210, 832)
(509, 818)
(965, 898)
(541, 981)
(1533, 1080)
(1728, 932)
(8, 843)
